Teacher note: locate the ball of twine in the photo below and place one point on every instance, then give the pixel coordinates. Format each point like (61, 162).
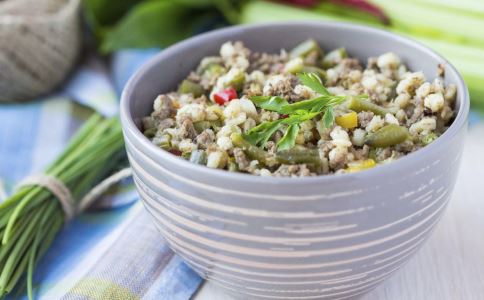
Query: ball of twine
(40, 41)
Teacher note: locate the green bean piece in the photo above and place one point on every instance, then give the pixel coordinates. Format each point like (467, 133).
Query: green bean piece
(253, 152)
(163, 141)
(237, 82)
(304, 48)
(373, 153)
(198, 157)
(299, 156)
(358, 105)
(214, 70)
(232, 165)
(190, 87)
(334, 57)
(429, 138)
(387, 136)
(217, 123)
(150, 132)
(201, 125)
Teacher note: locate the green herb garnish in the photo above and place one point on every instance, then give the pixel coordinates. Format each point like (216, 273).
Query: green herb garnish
(296, 113)
(289, 139)
(313, 81)
(272, 103)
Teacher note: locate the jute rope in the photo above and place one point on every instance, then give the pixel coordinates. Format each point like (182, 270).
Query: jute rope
(64, 195)
(40, 41)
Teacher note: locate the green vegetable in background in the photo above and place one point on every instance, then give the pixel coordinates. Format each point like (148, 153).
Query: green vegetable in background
(154, 23)
(462, 44)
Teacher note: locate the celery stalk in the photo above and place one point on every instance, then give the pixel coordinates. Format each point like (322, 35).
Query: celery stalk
(467, 58)
(433, 21)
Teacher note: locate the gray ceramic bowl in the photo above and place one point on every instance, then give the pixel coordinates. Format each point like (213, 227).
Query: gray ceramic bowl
(329, 237)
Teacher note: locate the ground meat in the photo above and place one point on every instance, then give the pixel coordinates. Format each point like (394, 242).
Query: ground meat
(415, 114)
(186, 129)
(205, 138)
(361, 154)
(382, 153)
(241, 159)
(271, 147)
(163, 107)
(364, 118)
(338, 157)
(267, 63)
(165, 123)
(293, 171)
(279, 85)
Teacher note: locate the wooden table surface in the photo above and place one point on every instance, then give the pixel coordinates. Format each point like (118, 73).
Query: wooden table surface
(450, 266)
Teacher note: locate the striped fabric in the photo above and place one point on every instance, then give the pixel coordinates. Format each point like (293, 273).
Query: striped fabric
(113, 253)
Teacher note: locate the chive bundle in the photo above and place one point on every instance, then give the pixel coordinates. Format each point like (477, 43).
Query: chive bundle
(31, 218)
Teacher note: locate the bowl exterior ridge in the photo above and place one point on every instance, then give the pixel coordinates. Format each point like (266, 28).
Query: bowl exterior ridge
(326, 238)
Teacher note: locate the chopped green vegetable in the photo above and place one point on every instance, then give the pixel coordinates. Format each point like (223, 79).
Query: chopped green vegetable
(387, 136)
(150, 132)
(163, 141)
(237, 82)
(201, 125)
(304, 48)
(429, 138)
(358, 104)
(334, 57)
(198, 157)
(214, 70)
(190, 87)
(299, 156)
(252, 151)
(232, 165)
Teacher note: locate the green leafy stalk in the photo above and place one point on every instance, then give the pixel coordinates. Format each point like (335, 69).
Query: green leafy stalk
(31, 218)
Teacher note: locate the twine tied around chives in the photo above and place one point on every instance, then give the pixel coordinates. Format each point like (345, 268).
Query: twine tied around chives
(64, 196)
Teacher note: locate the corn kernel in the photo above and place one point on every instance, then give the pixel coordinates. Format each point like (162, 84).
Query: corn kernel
(349, 120)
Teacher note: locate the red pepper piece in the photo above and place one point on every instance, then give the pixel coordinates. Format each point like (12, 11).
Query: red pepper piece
(175, 152)
(225, 96)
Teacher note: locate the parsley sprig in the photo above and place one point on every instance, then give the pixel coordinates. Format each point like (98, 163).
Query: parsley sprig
(297, 113)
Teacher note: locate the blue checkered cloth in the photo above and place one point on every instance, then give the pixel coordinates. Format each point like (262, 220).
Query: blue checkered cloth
(109, 253)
